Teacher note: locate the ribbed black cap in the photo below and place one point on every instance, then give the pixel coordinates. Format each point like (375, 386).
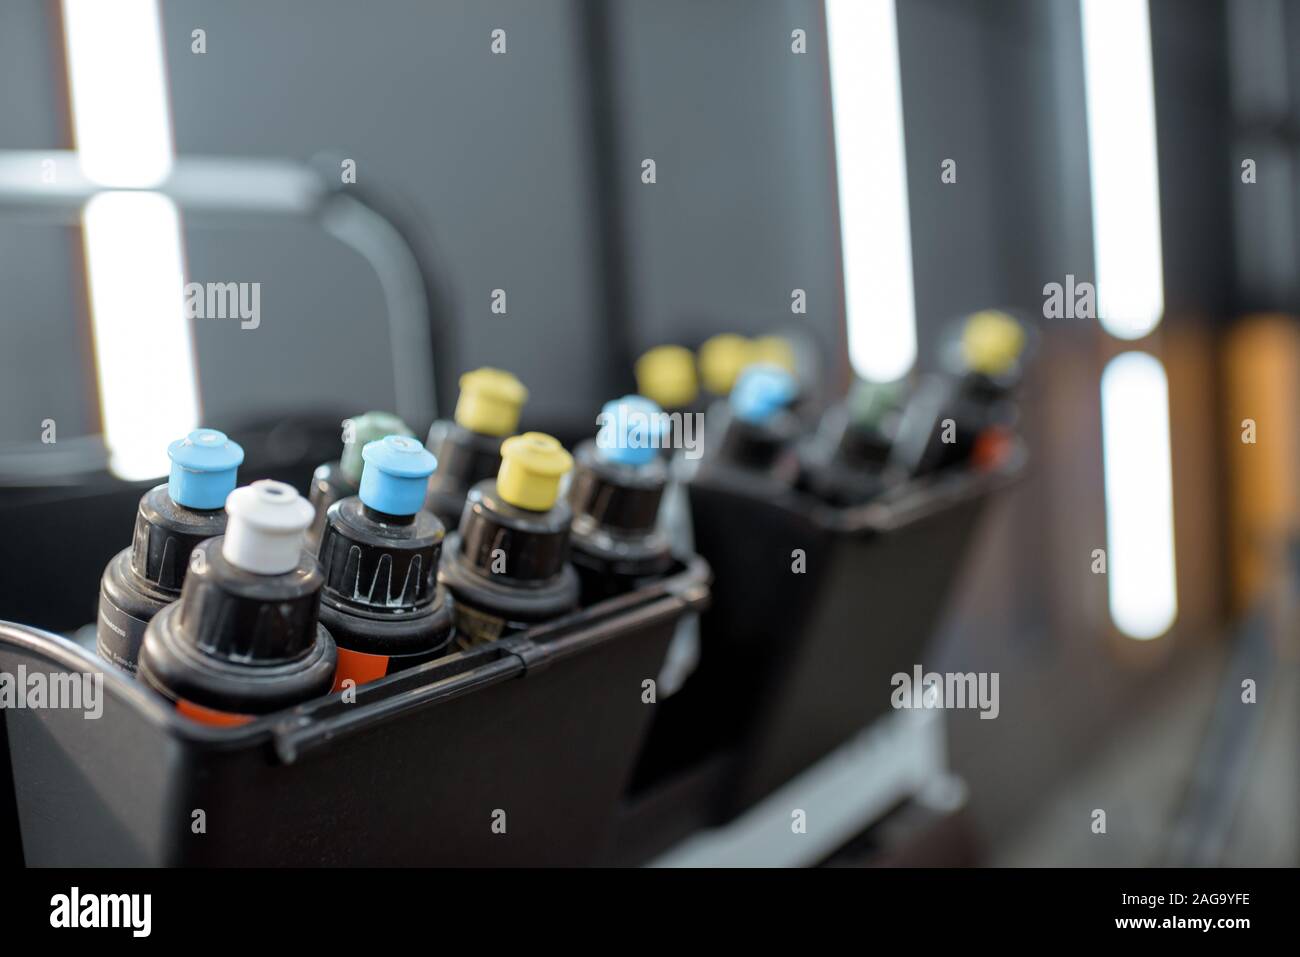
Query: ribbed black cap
(226, 612)
(382, 562)
(859, 445)
(166, 534)
(624, 498)
(534, 545)
(757, 445)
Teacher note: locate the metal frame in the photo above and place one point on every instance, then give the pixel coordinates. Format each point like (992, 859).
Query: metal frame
(278, 189)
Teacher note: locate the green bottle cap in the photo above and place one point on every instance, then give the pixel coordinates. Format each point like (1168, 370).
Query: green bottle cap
(870, 402)
(360, 430)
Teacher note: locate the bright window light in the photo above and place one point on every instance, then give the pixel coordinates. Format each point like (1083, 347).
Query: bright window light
(119, 96)
(1122, 160)
(142, 340)
(1139, 495)
(871, 163)
(144, 354)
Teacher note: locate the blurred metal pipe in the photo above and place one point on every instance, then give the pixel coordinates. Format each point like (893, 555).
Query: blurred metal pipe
(48, 186)
(50, 182)
(396, 264)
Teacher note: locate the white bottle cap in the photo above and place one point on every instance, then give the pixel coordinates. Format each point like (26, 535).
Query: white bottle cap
(264, 531)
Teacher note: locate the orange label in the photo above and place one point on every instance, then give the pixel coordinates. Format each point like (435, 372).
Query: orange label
(223, 719)
(361, 668)
(992, 447)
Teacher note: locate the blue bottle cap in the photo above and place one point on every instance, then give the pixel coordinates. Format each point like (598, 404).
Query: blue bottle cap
(761, 392)
(203, 469)
(396, 473)
(631, 430)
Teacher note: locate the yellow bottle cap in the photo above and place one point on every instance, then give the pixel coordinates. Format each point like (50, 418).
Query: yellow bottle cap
(489, 402)
(666, 375)
(775, 350)
(532, 465)
(991, 342)
(721, 360)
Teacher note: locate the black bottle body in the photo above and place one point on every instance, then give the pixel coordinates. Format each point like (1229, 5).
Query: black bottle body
(844, 463)
(615, 543)
(127, 603)
(328, 485)
(238, 644)
(382, 602)
(465, 458)
(766, 447)
(941, 425)
(507, 568)
(144, 579)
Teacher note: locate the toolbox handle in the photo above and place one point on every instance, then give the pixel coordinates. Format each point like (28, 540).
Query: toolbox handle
(377, 227)
(688, 592)
(917, 501)
(304, 734)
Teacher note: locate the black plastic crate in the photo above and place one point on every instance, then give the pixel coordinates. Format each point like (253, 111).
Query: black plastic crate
(543, 726)
(792, 665)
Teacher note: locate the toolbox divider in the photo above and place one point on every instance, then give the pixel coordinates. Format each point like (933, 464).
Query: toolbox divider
(791, 667)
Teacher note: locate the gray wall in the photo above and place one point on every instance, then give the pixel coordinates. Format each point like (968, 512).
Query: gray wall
(743, 210)
(488, 152)
(45, 357)
(492, 154)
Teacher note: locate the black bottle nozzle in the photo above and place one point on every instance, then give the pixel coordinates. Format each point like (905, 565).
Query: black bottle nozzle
(618, 483)
(170, 522)
(507, 566)
(760, 426)
(845, 461)
(245, 639)
(946, 416)
(335, 480)
(379, 556)
(468, 447)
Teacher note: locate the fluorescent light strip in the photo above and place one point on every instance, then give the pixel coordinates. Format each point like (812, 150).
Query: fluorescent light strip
(1139, 495)
(871, 162)
(119, 98)
(144, 352)
(142, 340)
(1122, 162)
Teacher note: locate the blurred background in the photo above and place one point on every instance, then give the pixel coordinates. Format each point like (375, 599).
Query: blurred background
(900, 164)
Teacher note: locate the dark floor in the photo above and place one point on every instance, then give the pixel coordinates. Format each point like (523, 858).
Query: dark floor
(1142, 776)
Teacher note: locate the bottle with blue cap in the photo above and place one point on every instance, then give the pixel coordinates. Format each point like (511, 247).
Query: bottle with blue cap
(379, 554)
(759, 427)
(618, 483)
(336, 480)
(171, 520)
(245, 639)
(507, 565)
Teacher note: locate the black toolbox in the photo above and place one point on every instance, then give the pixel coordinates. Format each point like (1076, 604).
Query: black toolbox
(793, 665)
(513, 753)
